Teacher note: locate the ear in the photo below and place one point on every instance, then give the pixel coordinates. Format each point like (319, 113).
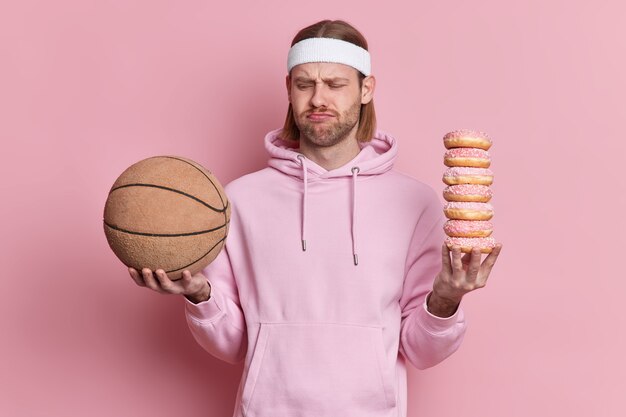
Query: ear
(288, 85)
(367, 89)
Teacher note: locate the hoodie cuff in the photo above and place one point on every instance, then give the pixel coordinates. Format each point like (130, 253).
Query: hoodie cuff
(436, 324)
(205, 310)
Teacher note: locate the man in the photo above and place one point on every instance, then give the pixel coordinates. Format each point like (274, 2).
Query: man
(334, 261)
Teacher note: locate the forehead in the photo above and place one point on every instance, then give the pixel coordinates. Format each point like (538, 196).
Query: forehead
(319, 70)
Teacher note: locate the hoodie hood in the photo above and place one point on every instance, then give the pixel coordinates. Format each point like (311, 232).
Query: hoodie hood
(376, 157)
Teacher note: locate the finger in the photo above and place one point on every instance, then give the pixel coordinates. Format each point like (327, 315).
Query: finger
(465, 260)
(148, 278)
(490, 260)
(186, 276)
(136, 277)
(474, 265)
(165, 282)
(445, 257)
(189, 282)
(457, 264)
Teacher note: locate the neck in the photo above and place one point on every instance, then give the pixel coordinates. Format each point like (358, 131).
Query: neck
(331, 157)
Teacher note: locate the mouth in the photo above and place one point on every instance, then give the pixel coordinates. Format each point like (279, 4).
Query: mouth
(319, 117)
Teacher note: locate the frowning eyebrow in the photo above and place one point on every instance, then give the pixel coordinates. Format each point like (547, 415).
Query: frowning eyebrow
(326, 80)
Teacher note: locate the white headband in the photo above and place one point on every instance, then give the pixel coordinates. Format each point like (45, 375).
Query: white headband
(329, 50)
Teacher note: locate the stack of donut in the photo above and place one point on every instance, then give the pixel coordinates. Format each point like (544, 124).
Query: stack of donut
(467, 194)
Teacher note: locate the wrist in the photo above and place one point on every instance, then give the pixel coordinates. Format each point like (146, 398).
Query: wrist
(441, 306)
(204, 294)
(445, 299)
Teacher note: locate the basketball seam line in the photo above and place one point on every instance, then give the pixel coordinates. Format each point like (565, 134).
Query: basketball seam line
(203, 173)
(210, 180)
(210, 250)
(164, 234)
(173, 190)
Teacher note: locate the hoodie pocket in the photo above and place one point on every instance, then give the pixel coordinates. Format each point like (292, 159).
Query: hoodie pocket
(318, 369)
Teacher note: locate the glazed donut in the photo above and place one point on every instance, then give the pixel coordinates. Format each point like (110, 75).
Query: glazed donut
(486, 244)
(464, 175)
(467, 139)
(468, 228)
(467, 157)
(468, 211)
(468, 192)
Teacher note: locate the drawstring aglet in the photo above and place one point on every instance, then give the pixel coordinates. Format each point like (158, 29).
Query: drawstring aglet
(303, 245)
(356, 259)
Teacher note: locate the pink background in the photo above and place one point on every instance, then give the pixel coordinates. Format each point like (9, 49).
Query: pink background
(88, 88)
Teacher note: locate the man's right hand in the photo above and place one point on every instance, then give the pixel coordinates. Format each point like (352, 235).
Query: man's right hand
(195, 287)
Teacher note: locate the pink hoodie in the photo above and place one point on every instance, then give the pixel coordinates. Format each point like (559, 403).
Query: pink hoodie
(321, 329)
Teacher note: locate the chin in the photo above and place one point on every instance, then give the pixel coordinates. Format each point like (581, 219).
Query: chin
(326, 134)
(322, 142)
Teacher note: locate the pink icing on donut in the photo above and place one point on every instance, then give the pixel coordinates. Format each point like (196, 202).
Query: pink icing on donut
(463, 205)
(475, 242)
(460, 227)
(467, 153)
(467, 133)
(462, 171)
(469, 189)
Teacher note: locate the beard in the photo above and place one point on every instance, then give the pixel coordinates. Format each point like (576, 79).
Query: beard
(330, 132)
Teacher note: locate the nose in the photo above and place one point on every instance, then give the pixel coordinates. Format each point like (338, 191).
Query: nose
(318, 99)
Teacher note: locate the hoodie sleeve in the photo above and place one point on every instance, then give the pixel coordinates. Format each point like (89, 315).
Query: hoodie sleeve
(218, 324)
(426, 339)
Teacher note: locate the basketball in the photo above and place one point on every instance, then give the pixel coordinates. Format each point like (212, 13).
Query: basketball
(166, 212)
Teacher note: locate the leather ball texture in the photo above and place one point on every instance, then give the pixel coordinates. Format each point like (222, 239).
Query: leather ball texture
(167, 212)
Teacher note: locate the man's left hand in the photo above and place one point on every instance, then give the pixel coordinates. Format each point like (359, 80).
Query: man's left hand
(459, 275)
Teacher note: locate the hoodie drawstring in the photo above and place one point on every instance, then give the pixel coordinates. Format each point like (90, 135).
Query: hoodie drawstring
(305, 180)
(355, 256)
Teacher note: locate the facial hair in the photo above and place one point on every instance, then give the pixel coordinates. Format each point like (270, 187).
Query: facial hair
(328, 134)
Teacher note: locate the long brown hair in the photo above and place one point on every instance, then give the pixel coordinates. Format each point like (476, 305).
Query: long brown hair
(337, 29)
